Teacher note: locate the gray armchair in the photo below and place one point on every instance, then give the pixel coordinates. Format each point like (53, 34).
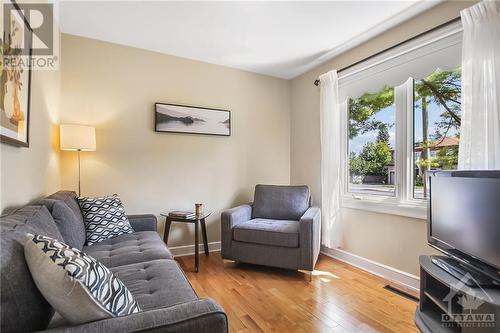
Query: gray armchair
(279, 229)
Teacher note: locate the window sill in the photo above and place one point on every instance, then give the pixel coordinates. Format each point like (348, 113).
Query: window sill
(391, 206)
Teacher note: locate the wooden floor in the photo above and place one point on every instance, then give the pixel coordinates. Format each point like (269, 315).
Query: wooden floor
(340, 298)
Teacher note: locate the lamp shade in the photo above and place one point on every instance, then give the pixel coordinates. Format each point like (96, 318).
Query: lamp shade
(77, 137)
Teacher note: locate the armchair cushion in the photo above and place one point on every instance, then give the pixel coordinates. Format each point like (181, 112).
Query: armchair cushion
(283, 233)
(280, 202)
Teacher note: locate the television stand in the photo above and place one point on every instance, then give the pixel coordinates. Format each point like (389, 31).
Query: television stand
(448, 305)
(469, 275)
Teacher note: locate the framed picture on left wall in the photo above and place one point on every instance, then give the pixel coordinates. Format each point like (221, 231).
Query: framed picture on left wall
(15, 84)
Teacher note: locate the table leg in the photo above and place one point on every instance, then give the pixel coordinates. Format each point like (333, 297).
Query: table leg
(196, 245)
(166, 232)
(204, 234)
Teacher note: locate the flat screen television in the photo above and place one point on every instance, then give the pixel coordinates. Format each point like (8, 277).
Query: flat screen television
(464, 217)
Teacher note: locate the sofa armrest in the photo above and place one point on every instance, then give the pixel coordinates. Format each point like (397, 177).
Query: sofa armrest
(229, 219)
(143, 222)
(202, 315)
(310, 238)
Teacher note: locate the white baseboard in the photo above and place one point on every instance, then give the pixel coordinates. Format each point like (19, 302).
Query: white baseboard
(188, 250)
(391, 274)
(407, 280)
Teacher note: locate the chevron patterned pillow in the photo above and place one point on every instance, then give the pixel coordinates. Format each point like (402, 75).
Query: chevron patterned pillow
(77, 286)
(104, 218)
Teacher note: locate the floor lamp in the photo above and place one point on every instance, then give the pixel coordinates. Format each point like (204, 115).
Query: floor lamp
(77, 138)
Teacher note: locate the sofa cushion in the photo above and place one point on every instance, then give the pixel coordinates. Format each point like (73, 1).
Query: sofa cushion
(80, 288)
(69, 197)
(71, 227)
(104, 218)
(20, 298)
(280, 202)
(156, 283)
(129, 249)
(283, 233)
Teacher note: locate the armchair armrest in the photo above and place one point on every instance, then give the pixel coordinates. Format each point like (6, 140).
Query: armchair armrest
(310, 238)
(202, 315)
(229, 219)
(143, 222)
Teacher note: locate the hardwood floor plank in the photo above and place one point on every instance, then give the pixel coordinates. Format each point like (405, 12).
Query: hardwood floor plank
(340, 298)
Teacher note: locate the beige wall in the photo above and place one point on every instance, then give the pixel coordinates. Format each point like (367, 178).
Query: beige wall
(388, 239)
(28, 173)
(114, 88)
(275, 137)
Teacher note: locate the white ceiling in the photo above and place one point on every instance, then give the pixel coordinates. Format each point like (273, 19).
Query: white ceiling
(282, 39)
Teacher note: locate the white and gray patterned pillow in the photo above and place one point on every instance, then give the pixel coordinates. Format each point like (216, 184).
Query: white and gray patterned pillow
(104, 218)
(77, 286)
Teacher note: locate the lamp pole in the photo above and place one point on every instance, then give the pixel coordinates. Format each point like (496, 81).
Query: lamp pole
(79, 188)
(77, 138)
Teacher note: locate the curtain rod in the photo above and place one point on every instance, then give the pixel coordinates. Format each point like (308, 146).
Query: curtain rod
(316, 82)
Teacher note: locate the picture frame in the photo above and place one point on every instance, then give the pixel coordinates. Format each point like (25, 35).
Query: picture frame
(187, 119)
(15, 84)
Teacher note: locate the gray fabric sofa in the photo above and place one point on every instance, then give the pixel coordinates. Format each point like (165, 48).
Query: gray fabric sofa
(279, 229)
(141, 260)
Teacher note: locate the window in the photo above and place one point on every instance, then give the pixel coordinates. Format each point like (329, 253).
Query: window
(403, 119)
(371, 143)
(436, 120)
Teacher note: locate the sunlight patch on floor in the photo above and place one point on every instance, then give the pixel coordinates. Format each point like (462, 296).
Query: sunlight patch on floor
(325, 276)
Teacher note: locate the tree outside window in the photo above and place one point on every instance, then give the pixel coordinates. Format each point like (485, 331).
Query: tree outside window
(437, 118)
(371, 143)
(436, 135)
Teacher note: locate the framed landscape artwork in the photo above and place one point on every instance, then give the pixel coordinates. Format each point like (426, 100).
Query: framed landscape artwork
(191, 119)
(15, 82)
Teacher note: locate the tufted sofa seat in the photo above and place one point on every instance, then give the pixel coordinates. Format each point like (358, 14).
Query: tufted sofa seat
(126, 249)
(146, 281)
(141, 260)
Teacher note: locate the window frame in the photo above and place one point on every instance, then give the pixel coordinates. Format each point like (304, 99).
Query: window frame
(402, 203)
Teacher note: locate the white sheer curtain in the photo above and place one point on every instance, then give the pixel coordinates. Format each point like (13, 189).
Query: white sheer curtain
(331, 159)
(480, 127)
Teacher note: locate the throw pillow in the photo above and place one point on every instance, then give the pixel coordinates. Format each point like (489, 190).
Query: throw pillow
(104, 218)
(77, 286)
